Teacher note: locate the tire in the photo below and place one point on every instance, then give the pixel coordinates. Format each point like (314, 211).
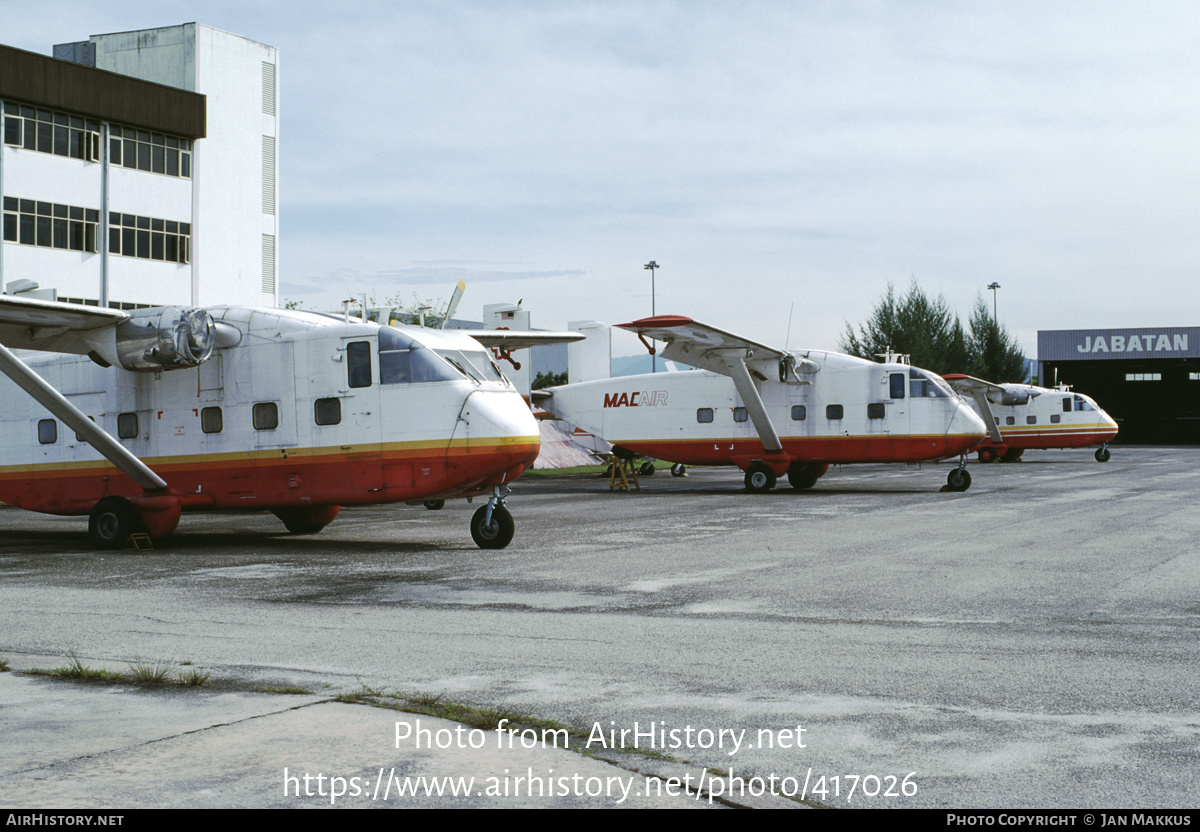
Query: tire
(1103, 455)
(799, 476)
(306, 520)
(434, 505)
(496, 536)
(1012, 455)
(111, 523)
(987, 455)
(677, 470)
(959, 479)
(647, 469)
(759, 478)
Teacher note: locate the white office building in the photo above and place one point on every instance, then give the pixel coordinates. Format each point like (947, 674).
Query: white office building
(139, 168)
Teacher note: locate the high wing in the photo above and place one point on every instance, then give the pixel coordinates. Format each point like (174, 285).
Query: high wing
(520, 339)
(743, 360)
(70, 328)
(979, 390)
(27, 324)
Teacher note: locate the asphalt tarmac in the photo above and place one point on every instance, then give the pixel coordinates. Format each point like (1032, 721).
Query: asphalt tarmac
(874, 642)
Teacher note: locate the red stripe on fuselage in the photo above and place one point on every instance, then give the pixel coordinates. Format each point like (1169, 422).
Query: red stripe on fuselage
(834, 450)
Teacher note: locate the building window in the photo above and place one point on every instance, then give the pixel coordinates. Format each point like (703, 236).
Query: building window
(799, 413)
(740, 414)
(47, 431)
(212, 420)
(1193, 376)
(833, 411)
(129, 147)
(876, 410)
(1144, 376)
(127, 425)
(47, 131)
(50, 225)
(327, 411)
(266, 416)
(704, 415)
(149, 238)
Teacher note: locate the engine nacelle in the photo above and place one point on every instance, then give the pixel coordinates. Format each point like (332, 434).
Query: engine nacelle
(1012, 395)
(167, 338)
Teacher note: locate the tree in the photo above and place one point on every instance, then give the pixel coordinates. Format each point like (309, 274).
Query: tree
(922, 328)
(932, 336)
(995, 355)
(543, 380)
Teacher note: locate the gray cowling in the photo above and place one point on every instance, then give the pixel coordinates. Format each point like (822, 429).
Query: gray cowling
(167, 338)
(1013, 394)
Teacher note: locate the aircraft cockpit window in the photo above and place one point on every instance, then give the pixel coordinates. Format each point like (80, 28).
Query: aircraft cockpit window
(266, 415)
(1082, 404)
(47, 431)
(482, 361)
(212, 420)
(924, 386)
(358, 363)
(327, 411)
(896, 381)
(404, 361)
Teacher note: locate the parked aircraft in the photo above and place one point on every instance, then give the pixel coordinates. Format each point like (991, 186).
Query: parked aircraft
(157, 411)
(786, 413)
(1022, 416)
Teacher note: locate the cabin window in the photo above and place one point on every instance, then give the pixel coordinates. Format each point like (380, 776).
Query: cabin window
(79, 437)
(876, 410)
(1010, 420)
(833, 411)
(897, 386)
(127, 425)
(212, 420)
(704, 415)
(799, 413)
(1031, 420)
(266, 416)
(997, 418)
(328, 411)
(47, 431)
(358, 363)
(1055, 418)
(740, 414)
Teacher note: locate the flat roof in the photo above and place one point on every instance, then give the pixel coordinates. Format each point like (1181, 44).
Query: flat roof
(42, 81)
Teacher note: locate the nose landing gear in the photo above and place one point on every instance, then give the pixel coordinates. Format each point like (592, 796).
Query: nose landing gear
(492, 526)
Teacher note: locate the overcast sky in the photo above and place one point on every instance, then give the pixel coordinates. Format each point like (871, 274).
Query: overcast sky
(765, 154)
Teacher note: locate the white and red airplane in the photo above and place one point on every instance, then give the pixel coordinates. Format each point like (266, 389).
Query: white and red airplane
(1023, 416)
(154, 412)
(787, 413)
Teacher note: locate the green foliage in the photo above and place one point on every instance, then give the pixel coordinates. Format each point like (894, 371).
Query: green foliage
(543, 380)
(932, 336)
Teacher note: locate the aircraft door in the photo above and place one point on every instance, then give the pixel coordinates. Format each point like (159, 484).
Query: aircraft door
(899, 407)
(273, 383)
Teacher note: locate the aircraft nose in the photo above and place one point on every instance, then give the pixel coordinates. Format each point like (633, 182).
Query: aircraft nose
(966, 429)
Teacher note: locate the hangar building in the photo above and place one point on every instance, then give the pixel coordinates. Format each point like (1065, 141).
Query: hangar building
(139, 168)
(1147, 379)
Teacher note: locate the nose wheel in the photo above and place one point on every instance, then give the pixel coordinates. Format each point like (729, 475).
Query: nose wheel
(1102, 454)
(492, 526)
(960, 478)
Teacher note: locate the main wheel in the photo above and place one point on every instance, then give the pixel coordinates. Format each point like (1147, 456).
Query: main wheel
(759, 478)
(987, 455)
(1102, 455)
(677, 470)
(434, 505)
(1012, 454)
(959, 479)
(497, 535)
(647, 469)
(800, 476)
(112, 522)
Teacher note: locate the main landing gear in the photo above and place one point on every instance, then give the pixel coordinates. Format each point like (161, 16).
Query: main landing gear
(492, 526)
(1102, 454)
(759, 478)
(112, 522)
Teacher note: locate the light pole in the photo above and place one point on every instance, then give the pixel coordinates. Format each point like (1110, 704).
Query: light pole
(994, 286)
(651, 266)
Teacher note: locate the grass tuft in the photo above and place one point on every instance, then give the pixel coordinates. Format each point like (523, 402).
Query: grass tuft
(150, 673)
(76, 669)
(4, 666)
(192, 677)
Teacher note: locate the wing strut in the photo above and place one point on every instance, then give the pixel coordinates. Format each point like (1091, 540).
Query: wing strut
(73, 417)
(754, 404)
